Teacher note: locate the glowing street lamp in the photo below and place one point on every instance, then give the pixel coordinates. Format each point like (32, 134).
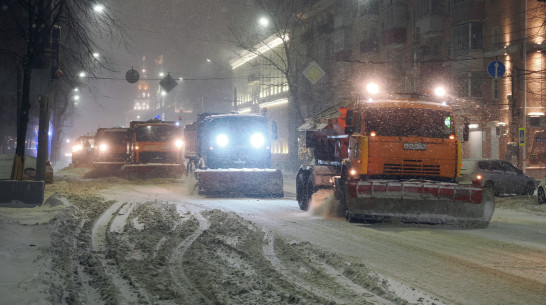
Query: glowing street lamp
(82, 74)
(99, 8)
(263, 21)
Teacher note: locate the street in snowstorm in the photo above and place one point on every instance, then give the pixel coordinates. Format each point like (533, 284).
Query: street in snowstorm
(273, 152)
(155, 241)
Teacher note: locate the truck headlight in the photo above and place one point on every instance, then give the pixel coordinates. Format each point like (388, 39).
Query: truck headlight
(257, 140)
(76, 148)
(178, 143)
(103, 147)
(222, 140)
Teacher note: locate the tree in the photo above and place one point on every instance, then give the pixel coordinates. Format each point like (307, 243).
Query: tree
(285, 18)
(28, 26)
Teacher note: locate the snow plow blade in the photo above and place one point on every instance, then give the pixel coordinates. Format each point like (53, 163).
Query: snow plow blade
(153, 170)
(240, 182)
(420, 202)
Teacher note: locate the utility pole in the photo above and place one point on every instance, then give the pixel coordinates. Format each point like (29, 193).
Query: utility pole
(524, 85)
(43, 139)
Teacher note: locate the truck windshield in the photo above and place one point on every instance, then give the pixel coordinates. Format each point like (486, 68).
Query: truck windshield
(428, 123)
(238, 128)
(157, 133)
(112, 137)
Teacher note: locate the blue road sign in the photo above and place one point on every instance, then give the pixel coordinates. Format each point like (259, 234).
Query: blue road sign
(496, 69)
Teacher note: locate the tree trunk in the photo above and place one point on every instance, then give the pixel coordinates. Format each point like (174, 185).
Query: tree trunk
(22, 124)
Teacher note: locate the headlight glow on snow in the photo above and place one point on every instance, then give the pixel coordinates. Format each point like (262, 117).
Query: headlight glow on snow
(222, 140)
(178, 143)
(257, 140)
(103, 147)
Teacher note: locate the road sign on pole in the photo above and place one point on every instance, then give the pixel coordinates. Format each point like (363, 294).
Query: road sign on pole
(313, 72)
(496, 69)
(132, 76)
(168, 83)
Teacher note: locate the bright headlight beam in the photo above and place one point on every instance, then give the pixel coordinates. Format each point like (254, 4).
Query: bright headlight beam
(103, 147)
(222, 140)
(257, 140)
(178, 143)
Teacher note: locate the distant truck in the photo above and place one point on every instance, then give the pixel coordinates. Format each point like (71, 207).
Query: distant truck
(82, 151)
(111, 147)
(155, 149)
(231, 155)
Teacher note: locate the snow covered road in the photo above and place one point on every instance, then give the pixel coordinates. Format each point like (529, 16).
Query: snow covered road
(156, 242)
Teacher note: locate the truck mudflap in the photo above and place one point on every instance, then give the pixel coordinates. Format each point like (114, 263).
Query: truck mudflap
(154, 170)
(419, 202)
(240, 182)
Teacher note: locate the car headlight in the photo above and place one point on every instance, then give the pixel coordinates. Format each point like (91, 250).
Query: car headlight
(76, 148)
(257, 140)
(103, 147)
(178, 143)
(222, 140)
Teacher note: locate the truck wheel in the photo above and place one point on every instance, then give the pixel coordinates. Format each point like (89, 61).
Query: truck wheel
(189, 168)
(307, 193)
(300, 183)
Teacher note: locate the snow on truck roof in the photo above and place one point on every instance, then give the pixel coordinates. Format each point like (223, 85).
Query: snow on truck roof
(404, 103)
(230, 115)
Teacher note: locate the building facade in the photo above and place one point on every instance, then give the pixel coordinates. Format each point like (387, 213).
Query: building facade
(410, 46)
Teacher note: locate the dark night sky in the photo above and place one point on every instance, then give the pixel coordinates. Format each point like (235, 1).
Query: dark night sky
(185, 32)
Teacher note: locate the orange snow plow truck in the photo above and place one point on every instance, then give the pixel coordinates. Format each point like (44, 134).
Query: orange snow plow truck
(155, 150)
(392, 159)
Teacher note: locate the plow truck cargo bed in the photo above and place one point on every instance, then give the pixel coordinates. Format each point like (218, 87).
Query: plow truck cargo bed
(245, 182)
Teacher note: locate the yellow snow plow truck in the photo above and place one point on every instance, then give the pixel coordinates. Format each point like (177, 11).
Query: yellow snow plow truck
(155, 149)
(392, 159)
(231, 155)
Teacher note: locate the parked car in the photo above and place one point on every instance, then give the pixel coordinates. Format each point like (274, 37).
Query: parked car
(499, 175)
(541, 188)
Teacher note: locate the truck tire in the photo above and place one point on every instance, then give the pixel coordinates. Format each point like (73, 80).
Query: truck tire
(307, 191)
(301, 182)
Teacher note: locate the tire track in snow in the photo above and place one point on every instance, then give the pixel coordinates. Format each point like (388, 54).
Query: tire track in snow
(337, 276)
(99, 242)
(181, 280)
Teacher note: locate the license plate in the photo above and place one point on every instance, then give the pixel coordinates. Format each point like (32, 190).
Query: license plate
(415, 146)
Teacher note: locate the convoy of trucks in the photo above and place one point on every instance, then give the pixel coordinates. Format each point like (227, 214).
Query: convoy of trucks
(386, 159)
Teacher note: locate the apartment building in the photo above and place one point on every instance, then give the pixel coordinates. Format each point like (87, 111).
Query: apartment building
(410, 46)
